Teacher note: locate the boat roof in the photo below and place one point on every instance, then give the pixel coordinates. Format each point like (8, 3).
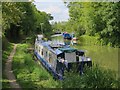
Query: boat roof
(47, 45)
(56, 45)
(40, 36)
(68, 49)
(59, 50)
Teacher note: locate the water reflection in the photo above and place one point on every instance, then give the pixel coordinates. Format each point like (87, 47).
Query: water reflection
(59, 39)
(104, 56)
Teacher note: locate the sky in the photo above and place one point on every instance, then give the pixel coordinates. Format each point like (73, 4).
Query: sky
(56, 8)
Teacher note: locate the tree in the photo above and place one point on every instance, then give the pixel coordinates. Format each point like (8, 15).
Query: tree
(23, 19)
(96, 18)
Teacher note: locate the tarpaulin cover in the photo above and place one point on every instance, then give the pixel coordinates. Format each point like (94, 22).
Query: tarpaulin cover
(68, 50)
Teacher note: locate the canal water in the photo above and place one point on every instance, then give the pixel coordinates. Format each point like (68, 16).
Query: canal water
(106, 57)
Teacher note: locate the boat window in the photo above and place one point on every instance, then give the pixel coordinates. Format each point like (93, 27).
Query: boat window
(46, 53)
(42, 52)
(39, 49)
(49, 57)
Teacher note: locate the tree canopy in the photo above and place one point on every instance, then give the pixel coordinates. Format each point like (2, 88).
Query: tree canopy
(22, 19)
(99, 19)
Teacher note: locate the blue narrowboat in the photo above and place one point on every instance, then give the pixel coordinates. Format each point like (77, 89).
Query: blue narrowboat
(57, 58)
(67, 36)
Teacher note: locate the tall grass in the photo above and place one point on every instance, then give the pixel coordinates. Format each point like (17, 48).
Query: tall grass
(29, 73)
(95, 77)
(32, 75)
(5, 53)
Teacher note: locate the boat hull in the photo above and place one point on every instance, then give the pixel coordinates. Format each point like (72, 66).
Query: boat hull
(48, 66)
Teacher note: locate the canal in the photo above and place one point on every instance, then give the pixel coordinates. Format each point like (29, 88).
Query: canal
(106, 57)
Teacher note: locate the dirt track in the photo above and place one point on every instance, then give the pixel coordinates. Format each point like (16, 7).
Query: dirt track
(8, 70)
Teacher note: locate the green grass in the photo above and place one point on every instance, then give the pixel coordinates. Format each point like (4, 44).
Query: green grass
(93, 40)
(89, 40)
(32, 75)
(5, 54)
(29, 73)
(94, 77)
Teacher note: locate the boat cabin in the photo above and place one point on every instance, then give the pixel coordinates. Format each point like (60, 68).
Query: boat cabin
(57, 57)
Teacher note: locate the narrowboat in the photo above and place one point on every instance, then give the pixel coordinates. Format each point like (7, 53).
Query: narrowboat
(74, 39)
(67, 36)
(57, 58)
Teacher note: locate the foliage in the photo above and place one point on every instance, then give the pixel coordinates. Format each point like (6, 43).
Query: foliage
(95, 77)
(21, 19)
(5, 54)
(5, 42)
(99, 19)
(89, 40)
(32, 75)
(58, 26)
(28, 72)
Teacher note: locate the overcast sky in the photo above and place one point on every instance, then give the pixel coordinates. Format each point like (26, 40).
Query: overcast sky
(56, 8)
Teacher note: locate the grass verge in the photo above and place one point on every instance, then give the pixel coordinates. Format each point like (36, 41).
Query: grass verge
(32, 75)
(5, 54)
(29, 73)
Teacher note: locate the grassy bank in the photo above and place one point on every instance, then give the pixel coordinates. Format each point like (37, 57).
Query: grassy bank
(5, 54)
(94, 40)
(89, 40)
(29, 73)
(32, 75)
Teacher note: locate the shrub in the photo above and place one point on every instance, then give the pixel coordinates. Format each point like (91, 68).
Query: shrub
(89, 40)
(95, 77)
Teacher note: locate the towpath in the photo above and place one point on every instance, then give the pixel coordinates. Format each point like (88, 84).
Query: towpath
(8, 70)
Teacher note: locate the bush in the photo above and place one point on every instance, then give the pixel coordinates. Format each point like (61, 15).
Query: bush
(95, 77)
(5, 43)
(89, 40)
